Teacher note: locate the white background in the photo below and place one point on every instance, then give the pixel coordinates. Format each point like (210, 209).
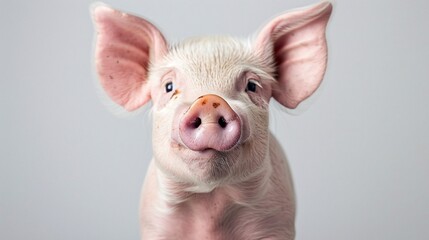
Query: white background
(70, 169)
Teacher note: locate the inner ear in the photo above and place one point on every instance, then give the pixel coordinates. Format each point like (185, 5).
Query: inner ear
(125, 47)
(296, 41)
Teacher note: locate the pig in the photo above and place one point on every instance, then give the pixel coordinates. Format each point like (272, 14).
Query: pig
(217, 171)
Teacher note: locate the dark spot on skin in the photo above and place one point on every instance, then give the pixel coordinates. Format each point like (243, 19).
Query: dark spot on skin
(176, 92)
(215, 105)
(117, 61)
(110, 76)
(204, 102)
(176, 145)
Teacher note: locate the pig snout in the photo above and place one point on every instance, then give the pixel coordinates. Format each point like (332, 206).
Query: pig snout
(210, 123)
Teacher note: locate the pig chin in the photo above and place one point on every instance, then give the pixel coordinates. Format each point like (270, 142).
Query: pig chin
(208, 164)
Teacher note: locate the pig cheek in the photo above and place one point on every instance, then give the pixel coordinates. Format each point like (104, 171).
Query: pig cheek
(254, 156)
(169, 155)
(255, 147)
(253, 118)
(161, 100)
(160, 130)
(258, 100)
(164, 155)
(162, 122)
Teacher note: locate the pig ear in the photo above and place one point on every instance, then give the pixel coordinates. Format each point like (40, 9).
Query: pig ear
(297, 41)
(125, 46)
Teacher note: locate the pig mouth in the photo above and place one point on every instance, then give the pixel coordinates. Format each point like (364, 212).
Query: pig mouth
(207, 154)
(208, 164)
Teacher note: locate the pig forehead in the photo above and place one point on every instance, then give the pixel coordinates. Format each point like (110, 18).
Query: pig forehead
(216, 61)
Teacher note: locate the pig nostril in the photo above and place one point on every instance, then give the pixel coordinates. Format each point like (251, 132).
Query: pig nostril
(222, 122)
(196, 122)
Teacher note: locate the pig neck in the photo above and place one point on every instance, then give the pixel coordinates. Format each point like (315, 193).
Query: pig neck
(249, 192)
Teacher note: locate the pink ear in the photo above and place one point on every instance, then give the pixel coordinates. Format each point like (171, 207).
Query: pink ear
(124, 48)
(297, 40)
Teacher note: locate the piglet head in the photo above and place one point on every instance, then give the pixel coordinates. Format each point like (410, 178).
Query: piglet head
(211, 95)
(210, 111)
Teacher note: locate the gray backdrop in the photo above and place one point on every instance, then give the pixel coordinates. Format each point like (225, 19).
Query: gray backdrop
(70, 169)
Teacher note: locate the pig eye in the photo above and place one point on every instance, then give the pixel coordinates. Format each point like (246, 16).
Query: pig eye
(169, 87)
(252, 85)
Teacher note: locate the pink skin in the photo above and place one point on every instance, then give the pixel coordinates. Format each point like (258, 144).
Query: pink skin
(217, 172)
